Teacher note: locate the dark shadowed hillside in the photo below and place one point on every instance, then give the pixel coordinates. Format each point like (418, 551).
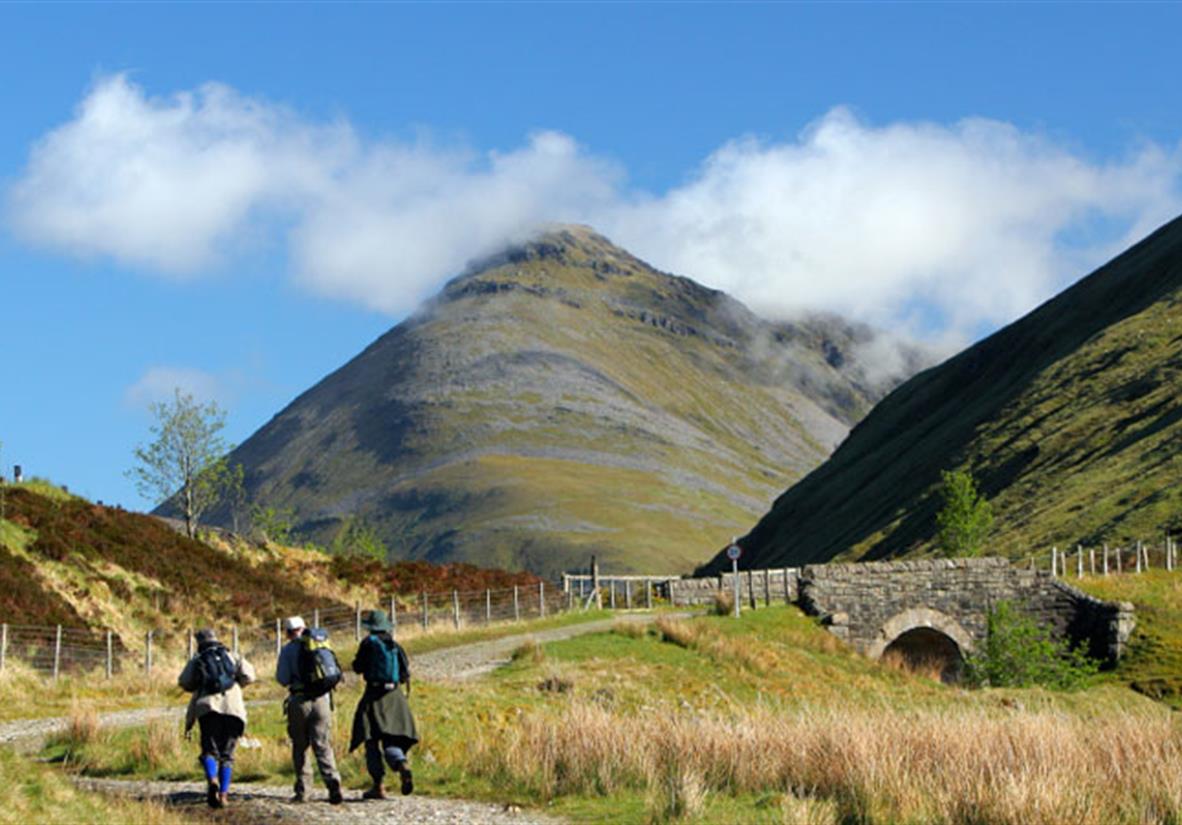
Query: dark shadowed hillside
(564, 398)
(1069, 419)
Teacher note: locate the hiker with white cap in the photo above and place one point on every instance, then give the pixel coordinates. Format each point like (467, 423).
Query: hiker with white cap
(308, 668)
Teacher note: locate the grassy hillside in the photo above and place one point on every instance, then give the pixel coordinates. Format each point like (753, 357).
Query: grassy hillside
(564, 399)
(1068, 418)
(770, 719)
(65, 560)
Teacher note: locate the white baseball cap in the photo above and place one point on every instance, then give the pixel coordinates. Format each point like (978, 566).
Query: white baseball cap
(294, 623)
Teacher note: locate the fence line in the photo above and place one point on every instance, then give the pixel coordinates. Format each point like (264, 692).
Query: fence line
(55, 650)
(1105, 560)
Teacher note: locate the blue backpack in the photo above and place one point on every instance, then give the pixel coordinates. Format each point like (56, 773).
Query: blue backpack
(383, 665)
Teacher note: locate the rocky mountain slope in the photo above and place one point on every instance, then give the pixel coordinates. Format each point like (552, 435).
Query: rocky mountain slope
(561, 399)
(1069, 418)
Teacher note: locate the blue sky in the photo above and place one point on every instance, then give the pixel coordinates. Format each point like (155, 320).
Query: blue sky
(934, 169)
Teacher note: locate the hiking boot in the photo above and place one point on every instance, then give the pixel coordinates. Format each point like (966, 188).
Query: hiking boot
(408, 780)
(298, 798)
(223, 800)
(376, 792)
(211, 793)
(334, 792)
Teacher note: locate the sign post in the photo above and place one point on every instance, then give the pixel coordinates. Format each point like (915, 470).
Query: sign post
(733, 552)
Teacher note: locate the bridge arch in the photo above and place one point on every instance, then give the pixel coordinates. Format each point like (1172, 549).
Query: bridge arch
(921, 633)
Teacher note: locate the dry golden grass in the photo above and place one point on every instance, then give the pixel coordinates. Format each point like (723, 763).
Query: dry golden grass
(972, 765)
(706, 639)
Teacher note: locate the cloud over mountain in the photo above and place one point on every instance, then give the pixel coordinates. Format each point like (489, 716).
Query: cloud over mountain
(928, 228)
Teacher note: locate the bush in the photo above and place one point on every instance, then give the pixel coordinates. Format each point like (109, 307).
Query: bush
(1019, 653)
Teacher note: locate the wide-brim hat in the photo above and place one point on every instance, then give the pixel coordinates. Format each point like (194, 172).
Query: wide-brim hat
(205, 636)
(376, 620)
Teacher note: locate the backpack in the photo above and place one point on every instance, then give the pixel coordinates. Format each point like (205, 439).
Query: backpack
(319, 670)
(217, 670)
(383, 667)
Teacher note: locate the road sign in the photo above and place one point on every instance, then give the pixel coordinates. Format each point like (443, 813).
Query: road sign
(733, 552)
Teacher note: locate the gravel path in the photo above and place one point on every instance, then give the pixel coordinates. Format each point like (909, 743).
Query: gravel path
(262, 805)
(266, 804)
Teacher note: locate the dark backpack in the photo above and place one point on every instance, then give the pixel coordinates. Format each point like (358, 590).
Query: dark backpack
(217, 669)
(319, 670)
(386, 665)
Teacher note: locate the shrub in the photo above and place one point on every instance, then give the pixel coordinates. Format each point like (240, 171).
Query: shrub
(1018, 653)
(966, 518)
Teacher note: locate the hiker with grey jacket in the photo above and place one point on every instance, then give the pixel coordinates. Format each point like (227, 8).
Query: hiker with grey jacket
(309, 670)
(383, 720)
(215, 677)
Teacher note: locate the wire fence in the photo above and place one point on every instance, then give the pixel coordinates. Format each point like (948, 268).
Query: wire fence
(1103, 560)
(57, 651)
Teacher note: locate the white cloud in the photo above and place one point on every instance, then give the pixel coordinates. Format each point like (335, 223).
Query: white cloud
(923, 228)
(159, 383)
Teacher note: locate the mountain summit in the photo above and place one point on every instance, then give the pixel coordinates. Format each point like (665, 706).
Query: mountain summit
(1069, 419)
(564, 398)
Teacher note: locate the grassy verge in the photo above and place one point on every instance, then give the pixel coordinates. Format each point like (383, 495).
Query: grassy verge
(766, 720)
(1153, 662)
(37, 793)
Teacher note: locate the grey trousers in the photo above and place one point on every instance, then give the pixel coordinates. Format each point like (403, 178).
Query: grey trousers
(309, 722)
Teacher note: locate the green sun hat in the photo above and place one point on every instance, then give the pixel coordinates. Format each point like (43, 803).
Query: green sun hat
(376, 620)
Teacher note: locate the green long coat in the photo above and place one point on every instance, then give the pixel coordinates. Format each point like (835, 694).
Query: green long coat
(383, 712)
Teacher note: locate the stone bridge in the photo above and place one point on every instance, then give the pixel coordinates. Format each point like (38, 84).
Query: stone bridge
(927, 610)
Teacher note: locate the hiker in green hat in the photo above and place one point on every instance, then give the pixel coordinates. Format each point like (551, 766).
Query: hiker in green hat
(383, 720)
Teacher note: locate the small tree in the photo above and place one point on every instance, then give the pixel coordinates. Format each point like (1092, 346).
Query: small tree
(1017, 652)
(357, 538)
(966, 518)
(234, 495)
(186, 459)
(273, 523)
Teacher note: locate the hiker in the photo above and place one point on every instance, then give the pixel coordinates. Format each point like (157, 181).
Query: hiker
(308, 668)
(215, 677)
(383, 720)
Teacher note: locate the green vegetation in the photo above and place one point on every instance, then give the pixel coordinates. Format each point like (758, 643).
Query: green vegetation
(966, 517)
(185, 461)
(1152, 664)
(1018, 652)
(36, 793)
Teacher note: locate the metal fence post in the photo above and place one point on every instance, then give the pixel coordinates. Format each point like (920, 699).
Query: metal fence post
(111, 656)
(57, 652)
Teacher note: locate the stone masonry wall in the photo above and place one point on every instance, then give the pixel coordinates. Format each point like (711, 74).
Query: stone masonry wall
(777, 586)
(857, 601)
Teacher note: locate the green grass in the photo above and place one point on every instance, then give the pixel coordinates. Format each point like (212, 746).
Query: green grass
(37, 793)
(1153, 662)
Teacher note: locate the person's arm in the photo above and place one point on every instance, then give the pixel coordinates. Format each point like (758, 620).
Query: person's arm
(188, 678)
(246, 673)
(284, 672)
(361, 660)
